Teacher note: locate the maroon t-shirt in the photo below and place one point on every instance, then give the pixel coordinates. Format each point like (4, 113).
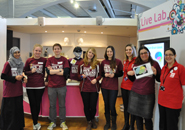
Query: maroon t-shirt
(35, 79)
(74, 68)
(146, 85)
(85, 84)
(110, 83)
(11, 89)
(56, 81)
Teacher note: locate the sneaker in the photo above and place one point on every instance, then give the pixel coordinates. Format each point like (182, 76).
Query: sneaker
(64, 126)
(34, 127)
(51, 126)
(37, 126)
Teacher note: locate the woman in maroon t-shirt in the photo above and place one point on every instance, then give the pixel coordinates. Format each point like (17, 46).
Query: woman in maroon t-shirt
(35, 70)
(126, 85)
(112, 68)
(142, 94)
(89, 74)
(12, 103)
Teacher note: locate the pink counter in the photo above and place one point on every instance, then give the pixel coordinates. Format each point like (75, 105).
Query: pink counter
(74, 104)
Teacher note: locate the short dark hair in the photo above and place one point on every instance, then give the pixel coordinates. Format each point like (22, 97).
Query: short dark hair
(57, 44)
(172, 50)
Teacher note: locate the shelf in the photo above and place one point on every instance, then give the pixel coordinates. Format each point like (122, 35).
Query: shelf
(93, 46)
(61, 45)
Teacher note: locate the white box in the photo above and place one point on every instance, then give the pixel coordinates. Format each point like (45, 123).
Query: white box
(143, 70)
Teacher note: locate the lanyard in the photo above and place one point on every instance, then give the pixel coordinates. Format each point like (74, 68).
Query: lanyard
(164, 78)
(126, 68)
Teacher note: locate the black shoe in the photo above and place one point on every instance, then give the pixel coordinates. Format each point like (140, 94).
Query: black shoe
(126, 127)
(114, 126)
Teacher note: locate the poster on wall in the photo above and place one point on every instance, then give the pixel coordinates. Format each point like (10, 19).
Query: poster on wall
(168, 17)
(157, 52)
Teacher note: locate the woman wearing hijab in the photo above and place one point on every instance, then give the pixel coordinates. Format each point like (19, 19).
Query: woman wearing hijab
(12, 102)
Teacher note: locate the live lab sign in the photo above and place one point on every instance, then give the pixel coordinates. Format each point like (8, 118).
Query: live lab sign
(155, 19)
(156, 15)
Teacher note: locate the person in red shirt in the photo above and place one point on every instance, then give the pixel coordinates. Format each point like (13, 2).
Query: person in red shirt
(57, 68)
(35, 70)
(170, 95)
(126, 85)
(142, 94)
(89, 74)
(112, 68)
(12, 113)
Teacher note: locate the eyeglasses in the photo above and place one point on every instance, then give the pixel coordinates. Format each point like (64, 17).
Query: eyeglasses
(170, 55)
(144, 53)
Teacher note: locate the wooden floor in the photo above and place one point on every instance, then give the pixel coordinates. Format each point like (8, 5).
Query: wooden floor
(80, 123)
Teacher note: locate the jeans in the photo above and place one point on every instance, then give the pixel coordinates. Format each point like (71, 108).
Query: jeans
(109, 97)
(53, 93)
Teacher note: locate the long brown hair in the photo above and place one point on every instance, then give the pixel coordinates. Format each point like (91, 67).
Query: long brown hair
(113, 60)
(36, 45)
(94, 60)
(134, 54)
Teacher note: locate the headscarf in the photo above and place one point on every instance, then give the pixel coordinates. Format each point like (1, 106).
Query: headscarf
(15, 63)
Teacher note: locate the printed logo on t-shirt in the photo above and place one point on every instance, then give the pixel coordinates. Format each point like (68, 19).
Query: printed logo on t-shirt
(88, 71)
(38, 67)
(172, 75)
(60, 62)
(14, 71)
(74, 69)
(56, 66)
(107, 69)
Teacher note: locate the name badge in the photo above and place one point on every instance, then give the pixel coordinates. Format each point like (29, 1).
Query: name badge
(126, 78)
(40, 62)
(13, 68)
(73, 61)
(60, 62)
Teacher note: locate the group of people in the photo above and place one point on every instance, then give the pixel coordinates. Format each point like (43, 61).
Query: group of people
(138, 94)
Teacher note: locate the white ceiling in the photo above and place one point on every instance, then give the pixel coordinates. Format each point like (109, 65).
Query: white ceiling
(63, 8)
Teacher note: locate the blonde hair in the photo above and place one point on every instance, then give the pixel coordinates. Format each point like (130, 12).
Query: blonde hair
(94, 60)
(134, 54)
(36, 45)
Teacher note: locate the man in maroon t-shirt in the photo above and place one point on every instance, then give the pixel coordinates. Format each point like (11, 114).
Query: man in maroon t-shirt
(57, 68)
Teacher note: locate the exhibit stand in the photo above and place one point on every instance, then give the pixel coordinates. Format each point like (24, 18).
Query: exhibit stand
(159, 28)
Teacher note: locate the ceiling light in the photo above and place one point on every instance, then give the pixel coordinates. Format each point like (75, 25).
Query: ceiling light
(76, 5)
(84, 31)
(71, 1)
(101, 32)
(62, 31)
(46, 31)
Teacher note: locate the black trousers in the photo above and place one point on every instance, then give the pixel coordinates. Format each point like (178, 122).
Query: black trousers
(125, 97)
(168, 119)
(35, 98)
(12, 113)
(109, 97)
(90, 101)
(148, 123)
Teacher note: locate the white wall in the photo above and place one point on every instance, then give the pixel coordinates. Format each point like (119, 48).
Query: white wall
(3, 34)
(24, 44)
(177, 42)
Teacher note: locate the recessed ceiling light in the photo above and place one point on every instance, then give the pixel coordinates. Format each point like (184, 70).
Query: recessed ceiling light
(62, 31)
(71, 1)
(101, 32)
(76, 5)
(46, 31)
(84, 31)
